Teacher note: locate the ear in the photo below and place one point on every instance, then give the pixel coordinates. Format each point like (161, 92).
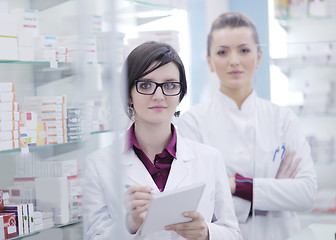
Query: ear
(258, 60)
(211, 67)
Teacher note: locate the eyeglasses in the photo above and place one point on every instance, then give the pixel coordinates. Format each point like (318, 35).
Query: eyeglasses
(146, 87)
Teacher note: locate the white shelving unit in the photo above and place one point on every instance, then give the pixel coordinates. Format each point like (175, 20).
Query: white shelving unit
(304, 75)
(81, 80)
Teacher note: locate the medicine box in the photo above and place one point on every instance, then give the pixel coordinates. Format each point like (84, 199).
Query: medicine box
(10, 116)
(7, 87)
(9, 49)
(9, 126)
(9, 106)
(19, 216)
(27, 19)
(7, 225)
(8, 26)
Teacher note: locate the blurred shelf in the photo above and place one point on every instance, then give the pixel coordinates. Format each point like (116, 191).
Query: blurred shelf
(157, 4)
(55, 147)
(288, 21)
(328, 164)
(316, 115)
(44, 73)
(45, 4)
(291, 63)
(30, 62)
(144, 12)
(311, 213)
(45, 63)
(43, 230)
(98, 132)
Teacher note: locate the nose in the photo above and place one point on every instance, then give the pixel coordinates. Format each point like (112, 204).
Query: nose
(234, 59)
(158, 94)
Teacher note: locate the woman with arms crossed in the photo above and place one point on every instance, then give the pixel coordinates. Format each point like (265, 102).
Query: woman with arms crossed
(267, 157)
(157, 158)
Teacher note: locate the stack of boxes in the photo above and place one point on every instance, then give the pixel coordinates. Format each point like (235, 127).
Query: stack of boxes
(20, 39)
(54, 188)
(17, 218)
(80, 48)
(8, 37)
(9, 118)
(7, 225)
(51, 117)
(28, 28)
(319, 97)
(58, 190)
(169, 36)
(74, 124)
(97, 115)
(28, 129)
(323, 151)
(304, 8)
(8, 222)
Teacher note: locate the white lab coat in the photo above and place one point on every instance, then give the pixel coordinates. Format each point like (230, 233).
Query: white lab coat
(194, 163)
(248, 139)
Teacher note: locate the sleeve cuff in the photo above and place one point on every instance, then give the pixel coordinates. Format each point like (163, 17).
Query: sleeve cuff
(244, 187)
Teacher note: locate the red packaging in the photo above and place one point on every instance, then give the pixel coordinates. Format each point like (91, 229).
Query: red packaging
(1, 202)
(7, 225)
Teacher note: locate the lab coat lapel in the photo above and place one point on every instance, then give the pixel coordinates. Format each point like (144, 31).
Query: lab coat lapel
(135, 172)
(181, 166)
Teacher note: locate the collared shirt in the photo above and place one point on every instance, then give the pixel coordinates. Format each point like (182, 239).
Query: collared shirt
(162, 162)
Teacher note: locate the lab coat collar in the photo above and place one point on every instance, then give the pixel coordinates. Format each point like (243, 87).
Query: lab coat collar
(247, 107)
(180, 168)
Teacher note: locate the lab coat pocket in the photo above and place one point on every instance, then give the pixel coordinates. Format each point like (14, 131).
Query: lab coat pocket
(268, 160)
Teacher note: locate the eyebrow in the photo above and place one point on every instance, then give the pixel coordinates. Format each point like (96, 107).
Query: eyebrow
(240, 45)
(167, 80)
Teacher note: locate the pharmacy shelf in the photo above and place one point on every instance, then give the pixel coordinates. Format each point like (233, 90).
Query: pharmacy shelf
(43, 230)
(29, 62)
(308, 218)
(286, 23)
(149, 5)
(45, 63)
(64, 147)
(286, 65)
(144, 12)
(316, 115)
(45, 4)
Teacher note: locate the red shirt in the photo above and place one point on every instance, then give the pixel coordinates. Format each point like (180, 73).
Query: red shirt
(162, 162)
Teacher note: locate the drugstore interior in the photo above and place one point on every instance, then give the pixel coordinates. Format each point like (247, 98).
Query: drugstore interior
(60, 63)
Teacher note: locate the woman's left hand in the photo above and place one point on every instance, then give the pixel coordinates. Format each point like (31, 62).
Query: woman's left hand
(197, 229)
(232, 182)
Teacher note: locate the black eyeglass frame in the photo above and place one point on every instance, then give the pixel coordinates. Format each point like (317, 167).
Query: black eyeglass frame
(156, 86)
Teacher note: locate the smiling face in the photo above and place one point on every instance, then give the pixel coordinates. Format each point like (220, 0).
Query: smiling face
(156, 108)
(234, 58)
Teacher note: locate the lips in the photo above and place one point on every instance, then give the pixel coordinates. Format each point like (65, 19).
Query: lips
(235, 73)
(157, 108)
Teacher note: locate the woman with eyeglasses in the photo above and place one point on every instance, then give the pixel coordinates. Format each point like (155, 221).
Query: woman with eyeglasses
(156, 158)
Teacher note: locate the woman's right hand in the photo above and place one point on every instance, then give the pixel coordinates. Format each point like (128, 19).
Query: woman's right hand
(288, 167)
(136, 204)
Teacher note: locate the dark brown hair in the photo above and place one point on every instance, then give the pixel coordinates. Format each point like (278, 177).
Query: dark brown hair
(143, 56)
